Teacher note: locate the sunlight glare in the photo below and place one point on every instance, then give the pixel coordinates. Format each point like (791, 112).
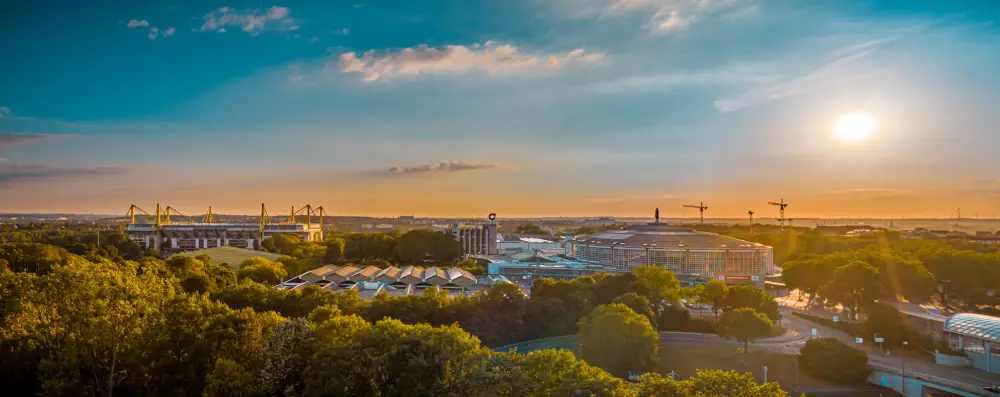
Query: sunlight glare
(855, 127)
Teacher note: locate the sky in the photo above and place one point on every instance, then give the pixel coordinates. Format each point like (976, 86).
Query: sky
(519, 107)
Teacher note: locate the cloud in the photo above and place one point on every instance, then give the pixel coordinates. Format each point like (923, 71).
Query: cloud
(8, 139)
(138, 23)
(490, 58)
(169, 32)
(827, 75)
(664, 15)
(249, 20)
(722, 76)
(440, 167)
(11, 173)
(5, 112)
(153, 33)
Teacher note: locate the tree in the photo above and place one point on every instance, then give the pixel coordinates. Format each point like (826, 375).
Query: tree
(618, 339)
(395, 359)
(637, 303)
(108, 307)
(287, 353)
(885, 321)
(744, 325)
(229, 378)
(416, 246)
(260, 270)
(717, 383)
(856, 286)
(748, 296)
(334, 251)
(472, 266)
(831, 359)
(559, 373)
(714, 294)
(659, 285)
(656, 385)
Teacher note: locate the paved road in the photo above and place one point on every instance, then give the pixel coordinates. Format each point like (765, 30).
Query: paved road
(917, 365)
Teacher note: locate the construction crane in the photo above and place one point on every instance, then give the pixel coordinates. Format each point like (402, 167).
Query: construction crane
(701, 211)
(781, 204)
(208, 218)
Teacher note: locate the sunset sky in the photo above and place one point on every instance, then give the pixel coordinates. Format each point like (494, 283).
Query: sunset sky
(519, 107)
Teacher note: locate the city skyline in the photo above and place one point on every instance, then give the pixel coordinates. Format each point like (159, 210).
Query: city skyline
(537, 108)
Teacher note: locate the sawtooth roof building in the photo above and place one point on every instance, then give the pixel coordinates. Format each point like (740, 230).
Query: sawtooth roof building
(372, 280)
(692, 255)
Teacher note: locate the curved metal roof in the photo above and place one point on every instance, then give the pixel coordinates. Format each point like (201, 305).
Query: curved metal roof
(975, 325)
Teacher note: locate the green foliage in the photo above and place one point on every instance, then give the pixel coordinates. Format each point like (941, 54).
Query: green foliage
(334, 251)
(831, 359)
(260, 270)
(638, 304)
(229, 378)
(32, 257)
(887, 322)
(710, 383)
(658, 284)
(287, 354)
(618, 339)
(748, 296)
(856, 286)
(713, 293)
(745, 325)
(417, 246)
(531, 229)
(472, 266)
(396, 359)
(715, 383)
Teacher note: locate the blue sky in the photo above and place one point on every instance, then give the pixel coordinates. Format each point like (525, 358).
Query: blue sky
(521, 107)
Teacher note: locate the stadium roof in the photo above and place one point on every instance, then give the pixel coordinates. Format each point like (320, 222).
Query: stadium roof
(666, 237)
(232, 256)
(975, 325)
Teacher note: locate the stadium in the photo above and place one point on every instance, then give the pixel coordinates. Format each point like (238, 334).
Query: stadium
(693, 256)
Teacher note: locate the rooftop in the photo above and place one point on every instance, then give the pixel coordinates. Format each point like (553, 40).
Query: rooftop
(975, 325)
(664, 236)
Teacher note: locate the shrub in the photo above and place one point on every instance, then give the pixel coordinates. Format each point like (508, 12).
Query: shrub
(832, 360)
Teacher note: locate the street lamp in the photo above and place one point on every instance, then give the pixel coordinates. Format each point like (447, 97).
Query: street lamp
(902, 357)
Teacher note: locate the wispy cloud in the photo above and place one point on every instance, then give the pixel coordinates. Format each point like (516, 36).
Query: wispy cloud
(440, 167)
(249, 20)
(11, 173)
(152, 32)
(8, 139)
(727, 75)
(832, 72)
(5, 112)
(490, 58)
(664, 15)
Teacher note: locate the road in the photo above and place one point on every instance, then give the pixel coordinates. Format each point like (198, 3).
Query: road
(917, 365)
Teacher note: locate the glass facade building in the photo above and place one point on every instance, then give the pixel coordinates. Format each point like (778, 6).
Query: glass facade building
(684, 251)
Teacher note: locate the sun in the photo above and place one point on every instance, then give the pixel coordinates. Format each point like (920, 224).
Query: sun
(855, 127)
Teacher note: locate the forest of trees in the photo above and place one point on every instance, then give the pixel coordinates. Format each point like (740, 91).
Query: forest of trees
(71, 324)
(82, 320)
